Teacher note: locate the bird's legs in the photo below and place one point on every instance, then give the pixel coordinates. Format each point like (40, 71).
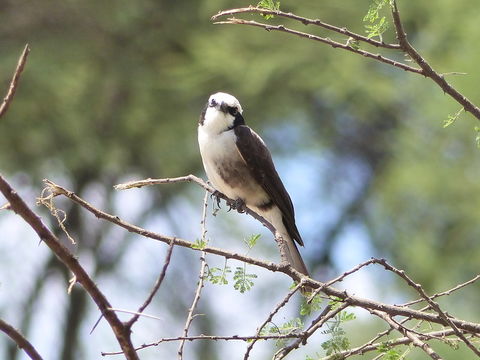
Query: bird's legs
(238, 204)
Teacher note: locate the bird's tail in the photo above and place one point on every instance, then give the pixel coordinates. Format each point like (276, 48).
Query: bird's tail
(293, 256)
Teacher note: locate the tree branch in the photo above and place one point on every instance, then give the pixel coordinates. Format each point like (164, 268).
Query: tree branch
(351, 300)
(157, 285)
(20, 340)
(14, 83)
(327, 41)
(305, 21)
(427, 70)
(201, 278)
(70, 261)
(413, 338)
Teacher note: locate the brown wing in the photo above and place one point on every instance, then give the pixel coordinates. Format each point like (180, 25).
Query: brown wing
(259, 161)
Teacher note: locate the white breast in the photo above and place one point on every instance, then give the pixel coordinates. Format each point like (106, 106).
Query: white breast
(216, 148)
(220, 151)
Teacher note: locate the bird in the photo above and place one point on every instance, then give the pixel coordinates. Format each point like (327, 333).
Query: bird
(239, 165)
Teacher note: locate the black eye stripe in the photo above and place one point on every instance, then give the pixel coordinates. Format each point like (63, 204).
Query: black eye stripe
(232, 110)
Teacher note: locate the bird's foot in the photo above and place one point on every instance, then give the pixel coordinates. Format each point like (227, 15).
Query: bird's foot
(216, 195)
(238, 205)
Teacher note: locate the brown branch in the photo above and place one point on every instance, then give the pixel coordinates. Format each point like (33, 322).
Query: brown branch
(201, 278)
(70, 261)
(14, 82)
(427, 70)
(340, 278)
(444, 316)
(446, 292)
(316, 324)
(192, 179)
(271, 315)
(392, 310)
(403, 330)
(157, 285)
(212, 338)
(305, 21)
(327, 41)
(20, 340)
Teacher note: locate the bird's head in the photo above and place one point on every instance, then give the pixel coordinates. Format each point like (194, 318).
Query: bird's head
(221, 113)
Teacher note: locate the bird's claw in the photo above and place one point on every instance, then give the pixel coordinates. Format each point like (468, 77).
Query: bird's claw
(216, 196)
(238, 205)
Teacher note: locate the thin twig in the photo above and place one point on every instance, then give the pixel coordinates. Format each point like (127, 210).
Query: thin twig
(334, 44)
(212, 338)
(427, 70)
(391, 343)
(14, 82)
(403, 330)
(340, 278)
(157, 285)
(20, 340)
(446, 292)
(201, 278)
(271, 315)
(444, 316)
(316, 324)
(70, 261)
(305, 21)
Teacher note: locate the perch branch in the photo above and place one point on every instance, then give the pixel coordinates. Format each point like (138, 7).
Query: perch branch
(392, 310)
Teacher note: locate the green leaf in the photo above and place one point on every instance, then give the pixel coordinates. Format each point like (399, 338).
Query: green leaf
(309, 308)
(378, 25)
(338, 341)
(374, 9)
(218, 276)
(269, 5)
(252, 241)
(477, 138)
(243, 281)
(389, 353)
(452, 118)
(290, 327)
(199, 244)
(377, 29)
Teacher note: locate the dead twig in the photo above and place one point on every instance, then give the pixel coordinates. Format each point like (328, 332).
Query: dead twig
(14, 82)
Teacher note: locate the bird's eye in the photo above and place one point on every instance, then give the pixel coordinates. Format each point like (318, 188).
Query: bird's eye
(232, 110)
(213, 103)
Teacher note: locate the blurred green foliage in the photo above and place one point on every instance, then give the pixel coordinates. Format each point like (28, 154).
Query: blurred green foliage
(113, 90)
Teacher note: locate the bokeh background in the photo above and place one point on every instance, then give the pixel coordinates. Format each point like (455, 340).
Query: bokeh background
(112, 92)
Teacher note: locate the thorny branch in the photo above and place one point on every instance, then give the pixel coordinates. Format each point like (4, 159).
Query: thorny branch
(343, 296)
(404, 46)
